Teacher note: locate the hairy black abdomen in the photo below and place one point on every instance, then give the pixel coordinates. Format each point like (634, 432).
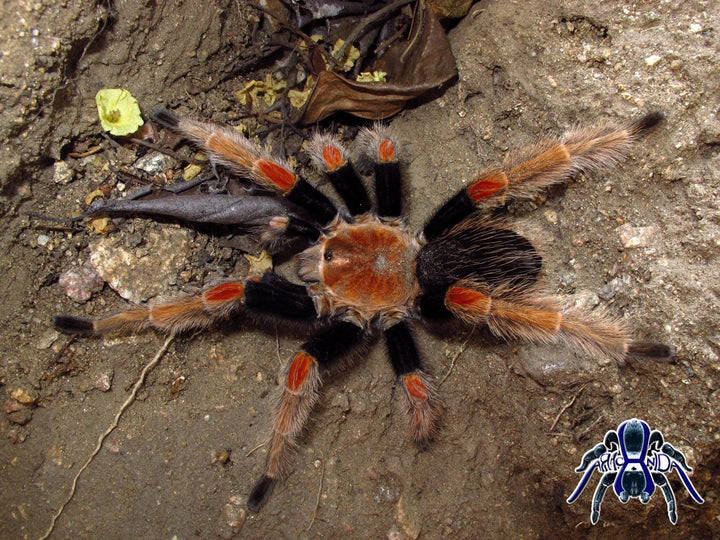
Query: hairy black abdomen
(478, 250)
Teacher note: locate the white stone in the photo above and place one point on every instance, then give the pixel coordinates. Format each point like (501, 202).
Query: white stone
(653, 59)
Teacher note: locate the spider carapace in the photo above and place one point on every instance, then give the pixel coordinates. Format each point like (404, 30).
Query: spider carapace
(364, 273)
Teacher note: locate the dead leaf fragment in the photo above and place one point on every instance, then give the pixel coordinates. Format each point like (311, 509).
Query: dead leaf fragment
(101, 225)
(23, 396)
(191, 171)
(260, 264)
(415, 66)
(90, 197)
(451, 9)
(375, 76)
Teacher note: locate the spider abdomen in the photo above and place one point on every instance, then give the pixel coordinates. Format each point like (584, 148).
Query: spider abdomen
(480, 250)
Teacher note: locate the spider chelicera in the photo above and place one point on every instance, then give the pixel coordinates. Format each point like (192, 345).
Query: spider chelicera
(364, 272)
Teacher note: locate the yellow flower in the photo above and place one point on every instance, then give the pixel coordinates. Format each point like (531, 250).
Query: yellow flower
(119, 111)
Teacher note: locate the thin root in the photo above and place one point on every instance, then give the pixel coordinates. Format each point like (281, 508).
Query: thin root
(566, 407)
(129, 401)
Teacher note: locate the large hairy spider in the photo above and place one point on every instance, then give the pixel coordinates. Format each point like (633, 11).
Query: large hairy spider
(364, 272)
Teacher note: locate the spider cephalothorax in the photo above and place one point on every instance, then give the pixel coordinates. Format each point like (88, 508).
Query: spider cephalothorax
(365, 273)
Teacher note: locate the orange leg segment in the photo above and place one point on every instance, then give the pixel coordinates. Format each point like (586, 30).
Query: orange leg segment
(538, 318)
(421, 405)
(420, 398)
(299, 392)
(526, 172)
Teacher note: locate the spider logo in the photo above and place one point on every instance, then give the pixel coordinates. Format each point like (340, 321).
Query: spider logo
(634, 460)
(365, 274)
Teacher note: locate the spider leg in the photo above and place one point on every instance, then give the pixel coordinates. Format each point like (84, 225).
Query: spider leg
(549, 162)
(591, 455)
(379, 146)
(263, 294)
(420, 395)
(605, 482)
(661, 480)
(225, 146)
(300, 385)
(543, 319)
(675, 454)
(583, 481)
(688, 484)
(331, 157)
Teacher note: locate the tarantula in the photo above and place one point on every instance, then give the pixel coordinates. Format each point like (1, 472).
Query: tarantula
(364, 272)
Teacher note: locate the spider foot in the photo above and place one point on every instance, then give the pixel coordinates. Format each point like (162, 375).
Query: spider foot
(69, 324)
(260, 493)
(644, 349)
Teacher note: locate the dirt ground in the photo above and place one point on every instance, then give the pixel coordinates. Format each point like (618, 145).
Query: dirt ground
(526, 69)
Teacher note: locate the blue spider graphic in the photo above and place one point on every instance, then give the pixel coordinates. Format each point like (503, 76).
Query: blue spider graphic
(634, 460)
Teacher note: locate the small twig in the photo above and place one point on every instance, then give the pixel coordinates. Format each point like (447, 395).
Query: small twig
(412, 19)
(566, 407)
(129, 401)
(457, 355)
(317, 500)
(368, 21)
(64, 348)
(302, 35)
(413, 38)
(584, 433)
(258, 447)
(92, 150)
(167, 151)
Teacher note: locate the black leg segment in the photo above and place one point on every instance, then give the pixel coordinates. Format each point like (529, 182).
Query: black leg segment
(388, 189)
(402, 350)
(333, 344)
(450, 214)
(315, 202)
(351, 189)
(276, 295)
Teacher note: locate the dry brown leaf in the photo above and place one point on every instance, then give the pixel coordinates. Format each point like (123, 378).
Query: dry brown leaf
(418, 65)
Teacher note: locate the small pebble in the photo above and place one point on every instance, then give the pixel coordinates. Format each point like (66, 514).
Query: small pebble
(614, 287)
(695, 28)
(388, 489)
(154, 163)
(46, 339)
(140, 273)
(551, 216)
(585, 300)
(21, 417)
(42, 239)
(634, 237)
(104, 381)
(234, 516)
(81, 282)
(653, 59)
(23, 396)
(63, 173)
(409, 517)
